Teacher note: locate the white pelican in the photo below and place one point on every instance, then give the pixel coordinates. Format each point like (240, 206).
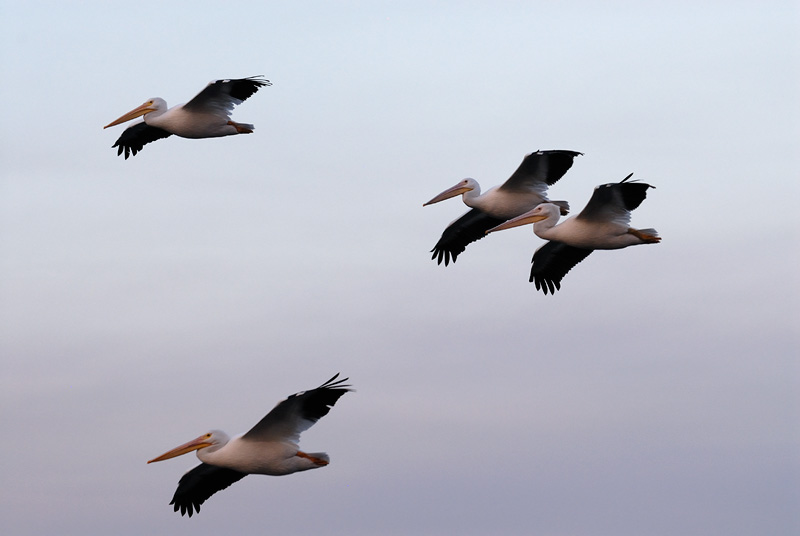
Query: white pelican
(207, 115)
(269, 448)
(603, 224)
(525, 189)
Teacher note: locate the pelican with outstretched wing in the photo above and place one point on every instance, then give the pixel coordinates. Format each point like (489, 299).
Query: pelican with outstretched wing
(207, 115)
(269, 448)
(603, 224)
(526, 188)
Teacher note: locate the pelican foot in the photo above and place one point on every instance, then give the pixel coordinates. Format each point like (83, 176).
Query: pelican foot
(240, 129)
(645, 237)
(318, 461)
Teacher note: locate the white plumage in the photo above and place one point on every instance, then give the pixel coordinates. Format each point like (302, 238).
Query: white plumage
(603, 224)
(526, 188)
(269, 448)
(207, 115)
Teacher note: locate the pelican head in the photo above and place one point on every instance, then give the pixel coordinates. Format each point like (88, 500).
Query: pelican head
(467, 185)
(150, 105)
(540, 212)
(213, 440)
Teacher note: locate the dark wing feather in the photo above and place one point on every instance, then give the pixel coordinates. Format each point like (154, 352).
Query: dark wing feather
(137, 136)
(614, 198)
(201, 483)
(458, 235)
(633, 193)
(244, 88)
(545, 167)
(552, 261)
(226, 93)
(298, 412)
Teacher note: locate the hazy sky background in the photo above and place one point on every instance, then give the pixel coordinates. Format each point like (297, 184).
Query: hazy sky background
(192, 287)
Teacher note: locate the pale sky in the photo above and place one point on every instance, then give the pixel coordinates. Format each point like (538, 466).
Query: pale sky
(193, 286)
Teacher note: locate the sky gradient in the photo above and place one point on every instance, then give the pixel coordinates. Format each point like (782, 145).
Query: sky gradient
(193, 286)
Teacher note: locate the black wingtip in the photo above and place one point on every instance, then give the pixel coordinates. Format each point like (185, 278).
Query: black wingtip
(633, 181)
(185, 508)
(547, 286)
(440, 255)
(259, 80)
(335, 384)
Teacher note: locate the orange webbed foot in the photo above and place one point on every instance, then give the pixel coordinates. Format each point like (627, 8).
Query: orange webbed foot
(646, 238)
(240, 129)
(317, 461)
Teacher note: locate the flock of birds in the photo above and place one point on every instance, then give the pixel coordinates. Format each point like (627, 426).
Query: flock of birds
(271, 447)
(604, 223)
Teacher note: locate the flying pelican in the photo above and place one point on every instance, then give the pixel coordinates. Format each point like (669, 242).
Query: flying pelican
(603, 224)
(207, 115)
(269, 448)
(525, 189)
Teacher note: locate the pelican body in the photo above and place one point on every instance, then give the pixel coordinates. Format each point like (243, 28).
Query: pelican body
(207, 115)
(269, 448)
(603, 224)
(526, 188)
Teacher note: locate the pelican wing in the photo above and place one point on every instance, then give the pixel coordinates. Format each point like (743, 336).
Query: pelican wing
(615, 201)
(460, 233)
(298, 412)
(552, 261)
(539, 170)
(137, 136)
(220, 96)
(201, 483)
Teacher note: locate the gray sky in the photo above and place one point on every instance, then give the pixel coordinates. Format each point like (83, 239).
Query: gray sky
(143, 302)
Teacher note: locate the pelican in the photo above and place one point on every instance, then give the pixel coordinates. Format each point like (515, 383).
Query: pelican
(207, 115)
(269, 448)
(525, 189)
(603, 224)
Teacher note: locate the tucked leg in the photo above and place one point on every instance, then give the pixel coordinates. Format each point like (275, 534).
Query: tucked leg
(644, 237)
(241, 129)
(317, 461)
